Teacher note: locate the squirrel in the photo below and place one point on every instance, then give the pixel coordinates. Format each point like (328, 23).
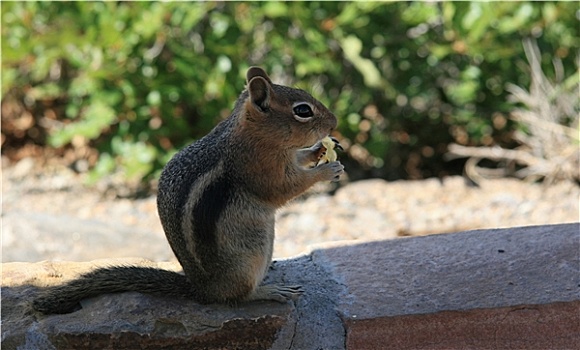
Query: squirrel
(217, 199)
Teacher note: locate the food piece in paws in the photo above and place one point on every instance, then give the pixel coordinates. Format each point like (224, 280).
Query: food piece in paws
(330, 155)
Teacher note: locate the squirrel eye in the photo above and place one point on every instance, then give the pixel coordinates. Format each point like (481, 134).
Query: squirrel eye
(303, 112)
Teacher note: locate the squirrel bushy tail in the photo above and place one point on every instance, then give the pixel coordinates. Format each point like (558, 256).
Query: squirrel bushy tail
(65, 298)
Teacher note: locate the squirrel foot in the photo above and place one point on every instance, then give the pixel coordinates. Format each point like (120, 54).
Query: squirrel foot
(276, 292)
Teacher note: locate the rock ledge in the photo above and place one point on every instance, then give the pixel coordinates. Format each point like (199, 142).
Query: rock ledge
(508, 288)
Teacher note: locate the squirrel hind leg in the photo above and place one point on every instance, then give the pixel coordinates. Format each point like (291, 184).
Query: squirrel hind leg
(276, 292)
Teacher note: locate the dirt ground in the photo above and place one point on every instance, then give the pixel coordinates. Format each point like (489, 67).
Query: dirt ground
(48, 214)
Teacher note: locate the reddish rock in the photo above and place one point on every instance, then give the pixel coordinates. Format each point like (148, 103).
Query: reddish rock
(550, 326)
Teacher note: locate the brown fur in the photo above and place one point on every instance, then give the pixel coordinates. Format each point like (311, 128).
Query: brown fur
(217, 200)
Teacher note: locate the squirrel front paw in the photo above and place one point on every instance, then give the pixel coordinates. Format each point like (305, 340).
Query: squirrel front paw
(331, 171)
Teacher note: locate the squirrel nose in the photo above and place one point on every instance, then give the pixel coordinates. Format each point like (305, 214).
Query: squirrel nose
(333, 123)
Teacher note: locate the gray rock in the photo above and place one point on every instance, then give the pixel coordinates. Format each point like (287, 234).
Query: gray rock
(128, 320)
(459, 271)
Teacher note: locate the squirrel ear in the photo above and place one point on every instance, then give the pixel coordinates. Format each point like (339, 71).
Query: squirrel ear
(257, 72)
(260, 92)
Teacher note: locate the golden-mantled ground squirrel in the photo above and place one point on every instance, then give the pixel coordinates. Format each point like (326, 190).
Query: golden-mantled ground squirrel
(217, 200)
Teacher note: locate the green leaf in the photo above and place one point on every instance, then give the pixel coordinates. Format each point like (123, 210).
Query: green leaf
(154, 98)
(462, 93)
(136, 158)
(48, 91)
(150, 20)
(105, 166)
(275, 9)
(522, 15)
(83, 85)
(95, 119)
(352, 47)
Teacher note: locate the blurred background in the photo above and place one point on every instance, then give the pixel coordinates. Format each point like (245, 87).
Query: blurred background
(120, 86)
(111, 90)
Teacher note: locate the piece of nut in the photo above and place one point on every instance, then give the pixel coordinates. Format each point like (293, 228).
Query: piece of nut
(330, 155)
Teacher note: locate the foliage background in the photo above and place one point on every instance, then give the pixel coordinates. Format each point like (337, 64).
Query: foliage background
(118, 87)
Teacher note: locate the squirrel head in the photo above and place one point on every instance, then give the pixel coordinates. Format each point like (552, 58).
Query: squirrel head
(292, 116)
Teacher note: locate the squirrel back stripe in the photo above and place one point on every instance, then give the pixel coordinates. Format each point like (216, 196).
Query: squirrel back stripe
(208, 210)
(194, 220)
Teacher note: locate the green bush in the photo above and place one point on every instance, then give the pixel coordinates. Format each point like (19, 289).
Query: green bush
(139, 80)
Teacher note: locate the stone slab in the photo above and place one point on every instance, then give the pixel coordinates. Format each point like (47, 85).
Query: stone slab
(423, 277)
(128, 320)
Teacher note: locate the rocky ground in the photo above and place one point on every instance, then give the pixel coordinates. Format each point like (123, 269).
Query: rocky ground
(49, 214)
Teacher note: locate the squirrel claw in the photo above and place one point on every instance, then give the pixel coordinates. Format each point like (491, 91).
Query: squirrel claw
(337, 144)
(279, 293)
